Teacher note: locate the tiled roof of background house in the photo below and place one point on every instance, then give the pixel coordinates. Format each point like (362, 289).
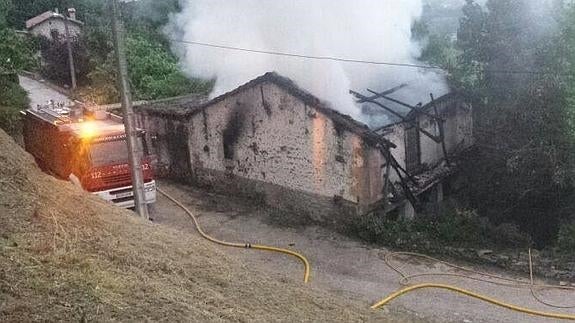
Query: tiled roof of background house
(30, 23)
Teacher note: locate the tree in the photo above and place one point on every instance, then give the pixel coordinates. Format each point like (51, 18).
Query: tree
(471, 33)
(153, 72)
(15, 55)
(468, 76)
(56, 66)
(5, 7)
(523, 167)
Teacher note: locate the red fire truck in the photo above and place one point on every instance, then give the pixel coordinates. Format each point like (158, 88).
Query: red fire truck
(89, 149)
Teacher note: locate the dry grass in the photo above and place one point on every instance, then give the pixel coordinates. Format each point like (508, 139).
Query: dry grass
(65, 255)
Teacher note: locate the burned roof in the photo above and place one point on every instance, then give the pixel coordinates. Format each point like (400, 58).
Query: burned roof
(188, 106)
(449, 97)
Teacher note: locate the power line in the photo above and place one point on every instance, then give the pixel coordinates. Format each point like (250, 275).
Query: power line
(351, 60)
(324, 58)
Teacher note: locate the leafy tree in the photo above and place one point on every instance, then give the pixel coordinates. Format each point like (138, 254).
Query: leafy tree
(153, 69)
(471, 33)
(16, 52)
(153, 72)
(468, 75)
(56, 66)
(5, 7)
(523, 167)
(12, 101)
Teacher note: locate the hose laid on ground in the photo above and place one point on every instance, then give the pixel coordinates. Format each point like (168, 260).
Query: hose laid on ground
(508, 283)
(240, 245)
(474, 295)
(498, 280)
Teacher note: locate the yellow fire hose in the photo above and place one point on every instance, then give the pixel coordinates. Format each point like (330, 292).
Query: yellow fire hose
(240, 245)
(404, 277)
(474, 295)
(508, 282)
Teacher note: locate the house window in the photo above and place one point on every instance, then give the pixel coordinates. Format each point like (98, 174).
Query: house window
(412, 149)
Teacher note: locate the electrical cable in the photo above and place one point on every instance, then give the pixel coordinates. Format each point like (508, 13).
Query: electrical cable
(352, 60)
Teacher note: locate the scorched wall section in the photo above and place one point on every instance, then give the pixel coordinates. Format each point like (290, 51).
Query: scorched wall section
(263, 140)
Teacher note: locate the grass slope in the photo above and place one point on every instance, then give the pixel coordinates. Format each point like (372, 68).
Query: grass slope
(65, 255)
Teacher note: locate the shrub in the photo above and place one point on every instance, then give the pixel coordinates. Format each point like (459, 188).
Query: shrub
(12, 100)
(566, 238)
(461, 226)
(508, 234)
(55, 60)
(455, 227)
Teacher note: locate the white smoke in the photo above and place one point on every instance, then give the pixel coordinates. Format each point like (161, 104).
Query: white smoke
(371, 30)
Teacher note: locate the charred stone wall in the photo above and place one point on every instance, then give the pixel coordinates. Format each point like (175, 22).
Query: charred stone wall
(265, 143)
(167, 141)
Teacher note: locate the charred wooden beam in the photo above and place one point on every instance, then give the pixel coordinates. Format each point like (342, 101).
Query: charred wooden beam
(386, 92)
(387, 171)
(408, 193)
(413, 108)
(441, 129)
(364, 99)
(431, 136)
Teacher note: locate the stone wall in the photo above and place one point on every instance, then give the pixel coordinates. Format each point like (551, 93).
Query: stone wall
(267, 144)
(167, 140)
(458, 130)
(267, 135)
(45, 28)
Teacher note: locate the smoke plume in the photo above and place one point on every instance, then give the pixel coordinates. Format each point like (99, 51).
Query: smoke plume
(371, 30)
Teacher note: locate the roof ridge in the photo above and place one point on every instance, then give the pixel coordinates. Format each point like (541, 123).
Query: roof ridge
(34, 21)
(292, 88)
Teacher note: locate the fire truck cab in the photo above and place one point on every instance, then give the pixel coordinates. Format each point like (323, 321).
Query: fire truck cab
(90, 149)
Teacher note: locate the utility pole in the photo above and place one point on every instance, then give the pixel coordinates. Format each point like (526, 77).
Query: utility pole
(70, 55)
(134, 151)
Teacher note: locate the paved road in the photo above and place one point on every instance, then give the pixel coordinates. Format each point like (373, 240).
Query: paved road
(39, 92)
(345, 266)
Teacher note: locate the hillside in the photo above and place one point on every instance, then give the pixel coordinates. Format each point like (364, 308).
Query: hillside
(65, 255)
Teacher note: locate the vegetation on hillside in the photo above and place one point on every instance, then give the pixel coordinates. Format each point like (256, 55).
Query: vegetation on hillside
(153, 68)
(16, 54)
(515, 62)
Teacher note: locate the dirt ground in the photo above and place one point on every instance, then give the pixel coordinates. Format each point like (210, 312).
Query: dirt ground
(341, 265)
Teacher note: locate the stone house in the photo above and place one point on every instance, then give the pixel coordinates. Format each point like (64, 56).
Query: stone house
(272, 141)
(51, 23)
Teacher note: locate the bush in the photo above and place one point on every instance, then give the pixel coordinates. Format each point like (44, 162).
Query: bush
(153, 70)
(12, 100)
(455, 227)
(566, 239)
(56, 66)
(508, 234)
(463, 226)
(16, 53)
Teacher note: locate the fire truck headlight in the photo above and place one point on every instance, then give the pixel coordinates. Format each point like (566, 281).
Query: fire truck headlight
(88, 130)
